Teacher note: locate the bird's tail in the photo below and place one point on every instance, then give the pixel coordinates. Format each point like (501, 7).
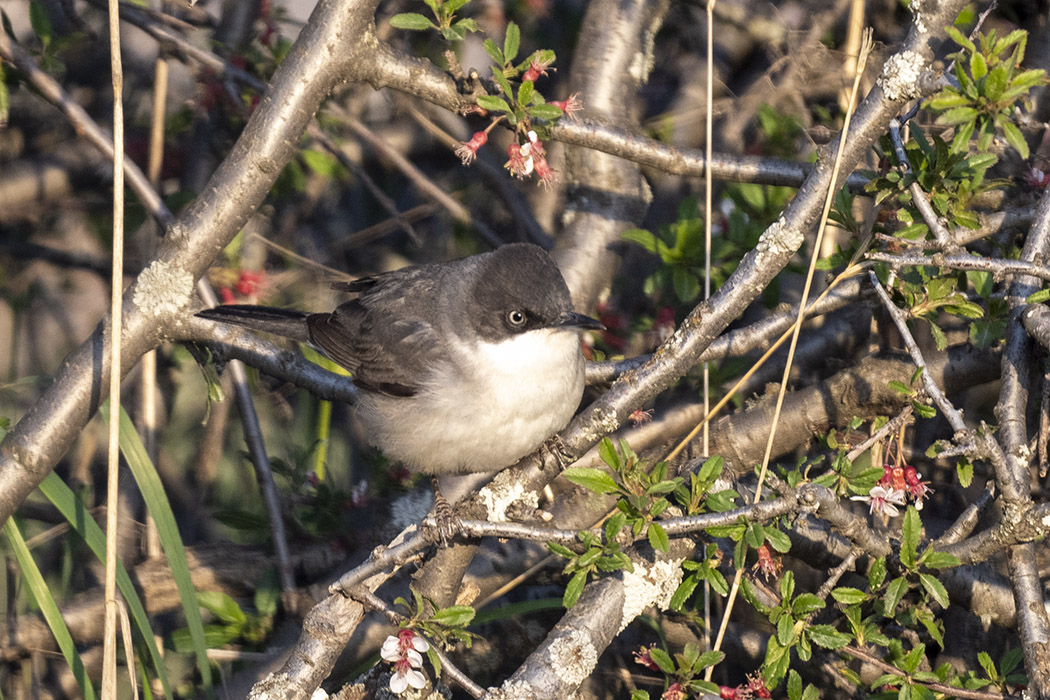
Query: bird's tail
(283, 322)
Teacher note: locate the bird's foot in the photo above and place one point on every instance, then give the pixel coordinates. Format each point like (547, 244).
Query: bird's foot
(446, 525)
(558, 451)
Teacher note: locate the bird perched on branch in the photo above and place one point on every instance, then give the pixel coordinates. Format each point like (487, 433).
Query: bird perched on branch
(463, 366)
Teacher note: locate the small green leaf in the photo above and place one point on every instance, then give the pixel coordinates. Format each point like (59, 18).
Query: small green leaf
(805, 604)
(607, 451)
(592, 479)
(454, 616)
(546, 111)
(574, 589)
(786, 631)
(848, 596)
(525, 92)
(511, 42)
(941, 560)
(658, 537)
(41, 22)
(494, 52)
(662, 659)
(894, 592)
(987, 664)
(827, 636)
(935, 588)
(877, 573)
(683, 592)
(493, 104)
(411, 20)
(1013, 137)
(910, 533)
(900, 387)
(778, 540)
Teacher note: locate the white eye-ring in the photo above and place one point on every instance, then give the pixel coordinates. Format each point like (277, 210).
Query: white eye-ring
(516, 318)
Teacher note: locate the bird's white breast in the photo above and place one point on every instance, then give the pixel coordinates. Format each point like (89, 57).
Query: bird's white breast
(492, 404)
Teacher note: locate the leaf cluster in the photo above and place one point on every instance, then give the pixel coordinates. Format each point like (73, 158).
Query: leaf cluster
(444, 21)
(991, 83)
(685, 668)
(525, 104)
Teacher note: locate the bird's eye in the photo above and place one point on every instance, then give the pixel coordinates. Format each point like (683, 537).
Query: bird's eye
(516, 318)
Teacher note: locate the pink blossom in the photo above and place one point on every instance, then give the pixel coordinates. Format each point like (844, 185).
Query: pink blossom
(537, 69)
(469, 150)
(918, 488)
(883, 500)
(570, 106)
(519, 163)
(405, 652)
(643, 657)
(674, 692)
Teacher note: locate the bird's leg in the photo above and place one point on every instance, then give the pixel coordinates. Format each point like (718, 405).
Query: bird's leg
(446, 524)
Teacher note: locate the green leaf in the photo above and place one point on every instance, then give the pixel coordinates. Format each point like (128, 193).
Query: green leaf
(574, 589)
(914, 658)
(1013, 137)
(910, 532)
(900, 387)
(411, 20)
(877, 573)
(894, 592)
(978, 66)
(848, 596)
(511, 42)
(794, 685)
(454, 616)
(38, 588)
(222, 606)
(1039, 297)
(957, 115)
(607, 451)
(778, 540)
(494, 52)
(960, 39)
(805, 604)
(493, 104)
(935, 588)
(41, 22)
(786, 631)
(525, 92)
(827, 636)
(159, 507)
(658, 537)
(987, 664)
(592, 479)
(662, 659)
(941, 560)
(545, 111)
(683, 592)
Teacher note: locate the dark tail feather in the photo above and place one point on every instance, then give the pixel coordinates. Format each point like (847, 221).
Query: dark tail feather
(283, 322)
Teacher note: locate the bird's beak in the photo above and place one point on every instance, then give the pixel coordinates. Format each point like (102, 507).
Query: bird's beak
(571, 319)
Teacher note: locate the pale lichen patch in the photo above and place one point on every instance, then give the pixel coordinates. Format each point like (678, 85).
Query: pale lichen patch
(900, 76)
(163, 289)
(573, 657)
(649, 585)
(498, 495)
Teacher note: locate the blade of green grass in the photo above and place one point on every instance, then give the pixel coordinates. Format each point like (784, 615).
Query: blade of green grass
(38, 588)
(63, 498)
(160, 508)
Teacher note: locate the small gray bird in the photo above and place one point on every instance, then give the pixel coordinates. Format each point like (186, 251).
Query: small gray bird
(463, 366)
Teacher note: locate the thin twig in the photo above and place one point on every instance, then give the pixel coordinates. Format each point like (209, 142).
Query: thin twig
(950, 691)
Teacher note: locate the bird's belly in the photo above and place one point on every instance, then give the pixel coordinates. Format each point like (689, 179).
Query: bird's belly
(481, 421)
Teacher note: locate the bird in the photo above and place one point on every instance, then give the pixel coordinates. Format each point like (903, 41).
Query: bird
(462, 367)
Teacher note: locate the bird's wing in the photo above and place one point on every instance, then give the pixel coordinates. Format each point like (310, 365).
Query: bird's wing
(385, 337)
